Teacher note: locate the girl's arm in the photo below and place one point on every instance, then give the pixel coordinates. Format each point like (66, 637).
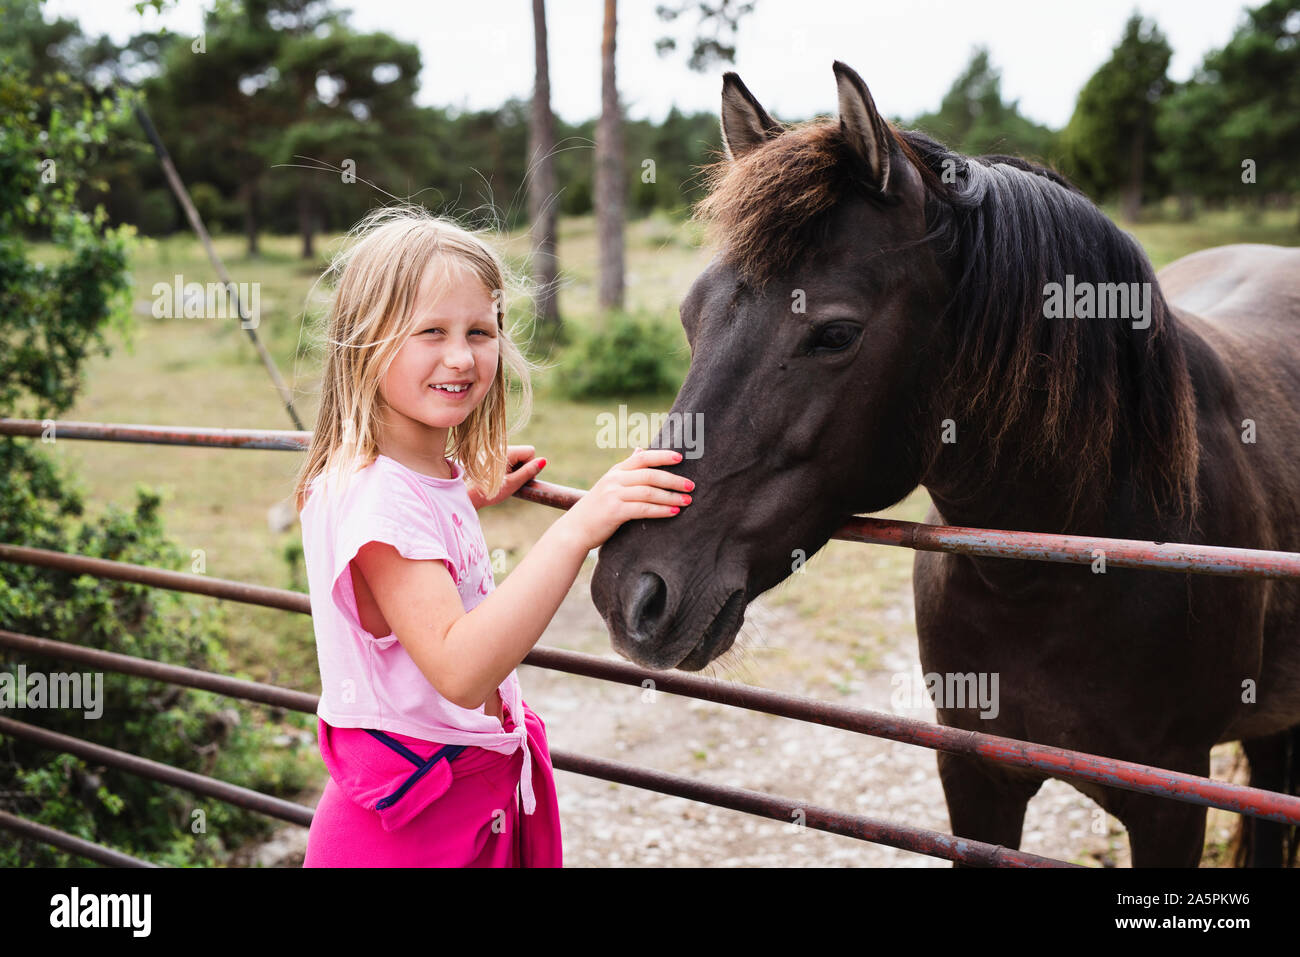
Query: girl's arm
(466, 656)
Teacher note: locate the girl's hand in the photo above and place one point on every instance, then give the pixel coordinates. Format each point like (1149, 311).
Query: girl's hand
(631, 489)
(521, 468)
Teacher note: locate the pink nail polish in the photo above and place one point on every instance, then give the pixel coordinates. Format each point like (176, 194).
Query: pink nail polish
(676, 509)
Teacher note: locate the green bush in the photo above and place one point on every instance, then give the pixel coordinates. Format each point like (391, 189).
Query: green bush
(219, 215)
(158, 216)
(628, 355)
(194, 730)
(51, 316)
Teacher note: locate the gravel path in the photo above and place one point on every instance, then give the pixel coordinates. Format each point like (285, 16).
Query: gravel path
(611, 825)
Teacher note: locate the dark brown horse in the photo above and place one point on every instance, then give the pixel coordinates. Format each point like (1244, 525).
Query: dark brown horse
(884, 313)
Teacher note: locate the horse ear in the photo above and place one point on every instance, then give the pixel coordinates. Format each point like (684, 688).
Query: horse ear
(745, 124)
(863, 126)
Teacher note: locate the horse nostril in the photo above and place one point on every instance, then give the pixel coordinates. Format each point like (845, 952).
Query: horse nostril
(647, 606)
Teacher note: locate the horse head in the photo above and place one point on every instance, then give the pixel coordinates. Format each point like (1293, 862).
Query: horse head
(812, 335)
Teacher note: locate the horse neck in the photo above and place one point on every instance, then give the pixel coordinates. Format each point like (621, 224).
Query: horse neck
(971, 486)
(1028, 484)
(972, 489)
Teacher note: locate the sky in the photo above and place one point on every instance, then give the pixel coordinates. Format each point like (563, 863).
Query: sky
(477, 55)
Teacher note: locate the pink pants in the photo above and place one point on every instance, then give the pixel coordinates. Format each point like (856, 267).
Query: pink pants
(380, 809)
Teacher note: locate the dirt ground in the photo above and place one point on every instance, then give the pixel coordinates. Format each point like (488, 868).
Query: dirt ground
(612, 825)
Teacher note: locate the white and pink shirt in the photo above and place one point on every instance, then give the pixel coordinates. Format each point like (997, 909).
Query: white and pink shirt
(369, 682)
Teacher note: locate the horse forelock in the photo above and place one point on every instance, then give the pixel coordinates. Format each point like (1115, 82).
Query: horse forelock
(767, 208)
(1005, 228)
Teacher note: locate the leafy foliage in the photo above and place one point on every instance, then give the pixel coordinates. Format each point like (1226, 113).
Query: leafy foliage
(1110, 142)
(632, 354)
(1243, 104)
(51, 313)
(974, 119)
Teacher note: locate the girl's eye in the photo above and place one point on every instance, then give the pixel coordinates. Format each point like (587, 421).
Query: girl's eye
(439, 329)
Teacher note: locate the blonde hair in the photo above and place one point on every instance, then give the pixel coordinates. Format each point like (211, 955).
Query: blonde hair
(378, 276)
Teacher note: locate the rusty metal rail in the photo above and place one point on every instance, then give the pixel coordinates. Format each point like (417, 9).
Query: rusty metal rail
(69, 842)
(156, 770)
(1074, 549)
(988, 542)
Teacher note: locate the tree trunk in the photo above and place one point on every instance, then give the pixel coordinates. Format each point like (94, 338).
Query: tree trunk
(542, 199)
(609, 173)
(248, 198)
(1254, 210)
(1131, 195)
(306, 221)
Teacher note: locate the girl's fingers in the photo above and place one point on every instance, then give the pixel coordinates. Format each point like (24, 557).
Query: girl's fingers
(650, 510)
(654, 478)
(656, 496)
(525, 472)
(517, 455)
(642, 457)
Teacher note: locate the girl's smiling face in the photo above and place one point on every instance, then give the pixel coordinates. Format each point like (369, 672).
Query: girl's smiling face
(452, 341)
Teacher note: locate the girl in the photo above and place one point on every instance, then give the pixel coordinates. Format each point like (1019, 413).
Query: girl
(422, 724)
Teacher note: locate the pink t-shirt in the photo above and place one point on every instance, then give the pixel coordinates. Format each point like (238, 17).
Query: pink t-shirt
(370, 682)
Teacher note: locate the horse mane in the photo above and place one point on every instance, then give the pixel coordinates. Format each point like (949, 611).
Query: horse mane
(1066, 389)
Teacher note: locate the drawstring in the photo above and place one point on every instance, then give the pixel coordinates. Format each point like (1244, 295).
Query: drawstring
(519, 823)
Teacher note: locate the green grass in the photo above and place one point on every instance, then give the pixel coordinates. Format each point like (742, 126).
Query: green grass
(191, 372)
(1165, 238)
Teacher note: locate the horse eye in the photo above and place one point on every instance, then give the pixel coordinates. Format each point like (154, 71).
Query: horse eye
(833, 337)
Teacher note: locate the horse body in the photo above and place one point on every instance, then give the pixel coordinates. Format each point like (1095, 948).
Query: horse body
(924, 313)
(1145, 666)
(1140, 665)
(1244, 302)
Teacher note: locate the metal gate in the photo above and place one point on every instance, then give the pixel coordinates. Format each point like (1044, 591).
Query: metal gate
(1057, 762)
